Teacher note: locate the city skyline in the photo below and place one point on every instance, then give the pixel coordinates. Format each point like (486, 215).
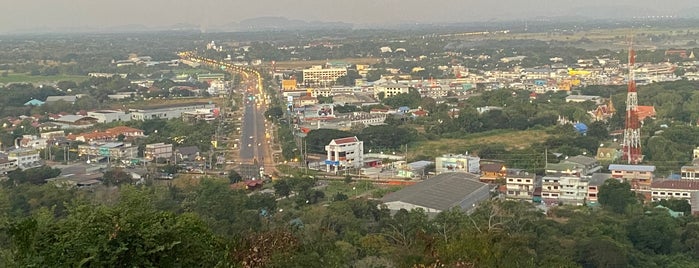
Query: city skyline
(28, 16)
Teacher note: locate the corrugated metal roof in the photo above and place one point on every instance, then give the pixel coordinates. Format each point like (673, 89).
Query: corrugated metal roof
(440, 192)
(639, 168)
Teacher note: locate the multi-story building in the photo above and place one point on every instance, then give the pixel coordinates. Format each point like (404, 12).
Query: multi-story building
(491, 172)
(674, 189)
(157, 150)
(25, 158)
(587, 165)
(689, 172)
(457, 163)
(639, 176)
(550, 189)
(520, 185)
(344, 153)
(564, 189)
(7, 165)
(317, 75)
(390, 90)
(695, 153)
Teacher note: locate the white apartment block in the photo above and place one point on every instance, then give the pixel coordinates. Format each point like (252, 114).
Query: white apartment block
(689, 172)
(390, 90)
(520, 186)
(25, 158)
(674, 189)
(565, 189)
(344, 153)
(317, 75)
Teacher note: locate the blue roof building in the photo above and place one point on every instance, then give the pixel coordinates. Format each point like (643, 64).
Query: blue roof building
(34, 102)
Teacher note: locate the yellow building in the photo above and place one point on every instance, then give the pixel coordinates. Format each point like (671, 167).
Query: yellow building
(289, 84)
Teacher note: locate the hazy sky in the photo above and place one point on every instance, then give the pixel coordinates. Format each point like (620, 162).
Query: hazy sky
(30, 14)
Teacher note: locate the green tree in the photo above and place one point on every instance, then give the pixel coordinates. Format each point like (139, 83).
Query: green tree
(616, 196)
(116, 176)
(282, 188)
(234, 176)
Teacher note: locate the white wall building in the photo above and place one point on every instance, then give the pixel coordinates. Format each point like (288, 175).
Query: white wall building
(344, 153)
(317, 75)
(167, 112)
(674, 189)
(390, 90)
(457, 163)
(108, 116)
(25, 158)
(566, 189)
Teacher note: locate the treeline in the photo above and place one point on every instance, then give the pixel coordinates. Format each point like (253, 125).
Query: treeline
(213, 226)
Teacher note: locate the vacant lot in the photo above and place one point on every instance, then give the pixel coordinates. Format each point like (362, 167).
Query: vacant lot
(511, 140)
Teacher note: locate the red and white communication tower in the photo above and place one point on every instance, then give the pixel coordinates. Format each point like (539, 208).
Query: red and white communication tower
(632, 132)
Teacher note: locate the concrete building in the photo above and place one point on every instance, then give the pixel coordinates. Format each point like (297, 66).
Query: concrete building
(689, 172)
(571, 190)
(587, 165)
(457, 163)
(7, 165)
(157, 150)
(317, 75)
(390, 90)
(110, 150)
(167, 112)
(440, 193)
(639, 176)
(344, 153)
(25, 158)
(520, 185)
(674, 189)
(108, 116)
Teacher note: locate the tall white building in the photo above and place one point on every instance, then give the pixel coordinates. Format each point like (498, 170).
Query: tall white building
(317, 75)
(344, 153)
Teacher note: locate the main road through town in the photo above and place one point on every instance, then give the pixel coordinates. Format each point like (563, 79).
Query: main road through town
(255, 145)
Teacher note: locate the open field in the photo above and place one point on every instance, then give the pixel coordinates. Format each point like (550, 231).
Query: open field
(305, 64)
(511, 140)
(26, 78)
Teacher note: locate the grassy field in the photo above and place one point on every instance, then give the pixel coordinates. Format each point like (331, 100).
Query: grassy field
(511, 140)
(26, 78)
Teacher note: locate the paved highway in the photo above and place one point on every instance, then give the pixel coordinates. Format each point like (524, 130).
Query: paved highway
(254, 146)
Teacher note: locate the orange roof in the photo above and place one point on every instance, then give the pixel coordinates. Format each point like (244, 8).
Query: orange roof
(122, 130)
(645, 112)
(345, 140)
(676, 184)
